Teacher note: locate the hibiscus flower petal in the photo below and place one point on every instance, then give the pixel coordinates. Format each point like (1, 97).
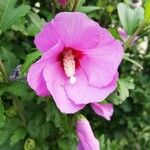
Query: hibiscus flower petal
(104, 110)
(35, 74)
(55, 78)
(76, 30)
(47, 38)
(52, 55)
(105, 37)
(87, 140)
(101, 64)
(35, 78)
(83, 93)
(79, 146)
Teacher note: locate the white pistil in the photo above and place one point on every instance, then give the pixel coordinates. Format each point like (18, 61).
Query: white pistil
(73, 80)
(69, 66)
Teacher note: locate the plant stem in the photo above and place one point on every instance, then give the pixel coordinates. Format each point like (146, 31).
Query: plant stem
(54, 6)
(75, 5)
(129, 41)
(3, 71)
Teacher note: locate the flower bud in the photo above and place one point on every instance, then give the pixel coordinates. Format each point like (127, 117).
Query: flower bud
(87, 140)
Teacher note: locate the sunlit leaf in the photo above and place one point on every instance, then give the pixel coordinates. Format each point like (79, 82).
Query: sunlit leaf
(29, 60)
(147, 12)
(125, 85)
(130, 18)
(18, 135)
(9, 14)
(132, 61)
(87, 9)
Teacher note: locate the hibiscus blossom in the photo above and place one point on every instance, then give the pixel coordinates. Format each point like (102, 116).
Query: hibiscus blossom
(79, 62)
(87, 140)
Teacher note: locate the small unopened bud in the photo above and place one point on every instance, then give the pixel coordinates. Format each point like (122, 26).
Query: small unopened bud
(85, 135)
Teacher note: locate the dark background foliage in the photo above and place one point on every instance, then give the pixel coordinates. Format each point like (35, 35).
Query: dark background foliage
(30, 122)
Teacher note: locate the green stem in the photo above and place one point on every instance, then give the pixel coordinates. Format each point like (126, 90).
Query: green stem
(3, 71)
(54, 6)
(129, 41)
(75, 5)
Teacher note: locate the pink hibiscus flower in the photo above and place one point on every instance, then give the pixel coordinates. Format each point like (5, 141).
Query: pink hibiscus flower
(87, 140)
(79, 62)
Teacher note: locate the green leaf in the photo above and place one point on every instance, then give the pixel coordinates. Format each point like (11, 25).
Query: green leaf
(32, 30)
(18, 135)
(42, 145)
(67, 141)
(20, 26)
(114, 33)
(147, 56)
(12, 111)
(1, 107)
(17, 88)
(147, 12)
(54, 115)
(87, 9)
(4, 135)
(115, 99)
(125, 84)
(11, 14)
(8, 128)
(36, 24)
(9, 59)
(132, 61)
(2, 117)
(32, 57)
(36, 20)
(32, 27)
(130, 18)
(38, 127)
